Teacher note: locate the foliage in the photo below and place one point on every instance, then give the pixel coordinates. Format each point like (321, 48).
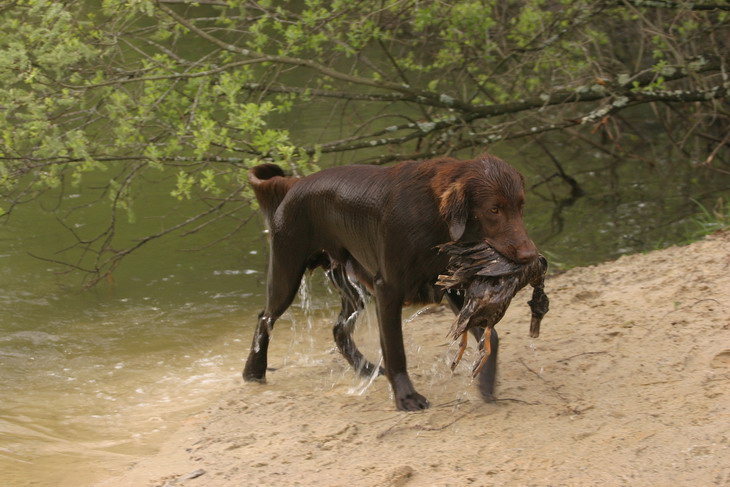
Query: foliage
(710, 220)
(200, 91)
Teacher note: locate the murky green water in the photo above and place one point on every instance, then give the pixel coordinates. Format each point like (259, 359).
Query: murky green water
(93, 379)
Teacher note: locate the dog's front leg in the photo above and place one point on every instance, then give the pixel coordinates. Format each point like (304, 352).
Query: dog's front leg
(389, 305)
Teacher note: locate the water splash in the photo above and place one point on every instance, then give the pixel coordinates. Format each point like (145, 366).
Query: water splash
(305, 295)
(364, 383)
(533, 348)
(418, 313)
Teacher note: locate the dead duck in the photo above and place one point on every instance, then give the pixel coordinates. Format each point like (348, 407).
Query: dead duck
(489, 281)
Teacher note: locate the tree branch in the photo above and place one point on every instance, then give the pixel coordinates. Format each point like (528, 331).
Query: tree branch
(441, 100)
(670, 4)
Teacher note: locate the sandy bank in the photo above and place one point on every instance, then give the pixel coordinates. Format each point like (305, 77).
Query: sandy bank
(629, 384)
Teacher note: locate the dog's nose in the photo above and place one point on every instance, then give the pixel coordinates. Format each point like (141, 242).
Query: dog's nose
(526, 253)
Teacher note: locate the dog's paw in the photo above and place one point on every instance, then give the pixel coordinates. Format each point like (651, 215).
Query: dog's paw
(412, 402)
(255, 368)
(253, 378)
(253, 374)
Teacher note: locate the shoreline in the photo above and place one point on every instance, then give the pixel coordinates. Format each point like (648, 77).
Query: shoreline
(628, 384)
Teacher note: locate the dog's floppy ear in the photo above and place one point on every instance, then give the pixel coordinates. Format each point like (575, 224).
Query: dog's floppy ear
(453, 208)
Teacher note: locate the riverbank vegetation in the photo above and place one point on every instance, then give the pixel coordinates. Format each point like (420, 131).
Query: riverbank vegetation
(191, 94)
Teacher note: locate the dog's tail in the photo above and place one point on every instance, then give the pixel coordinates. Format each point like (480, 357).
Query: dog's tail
(270, 185)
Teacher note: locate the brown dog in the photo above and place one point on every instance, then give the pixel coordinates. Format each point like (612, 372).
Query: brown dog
(379, 228)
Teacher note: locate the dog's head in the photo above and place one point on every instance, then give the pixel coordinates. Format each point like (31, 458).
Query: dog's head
(483, 200)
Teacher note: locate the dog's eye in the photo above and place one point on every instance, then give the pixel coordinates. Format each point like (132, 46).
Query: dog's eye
(494, 210)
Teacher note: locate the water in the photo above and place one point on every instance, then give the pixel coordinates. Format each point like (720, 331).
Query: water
(94, 379)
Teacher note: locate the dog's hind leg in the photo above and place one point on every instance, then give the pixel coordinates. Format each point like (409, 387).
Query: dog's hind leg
(286, 269)
(255, 369)
(351, 294)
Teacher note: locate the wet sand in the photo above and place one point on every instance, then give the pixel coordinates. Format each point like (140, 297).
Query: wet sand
(628, 384)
